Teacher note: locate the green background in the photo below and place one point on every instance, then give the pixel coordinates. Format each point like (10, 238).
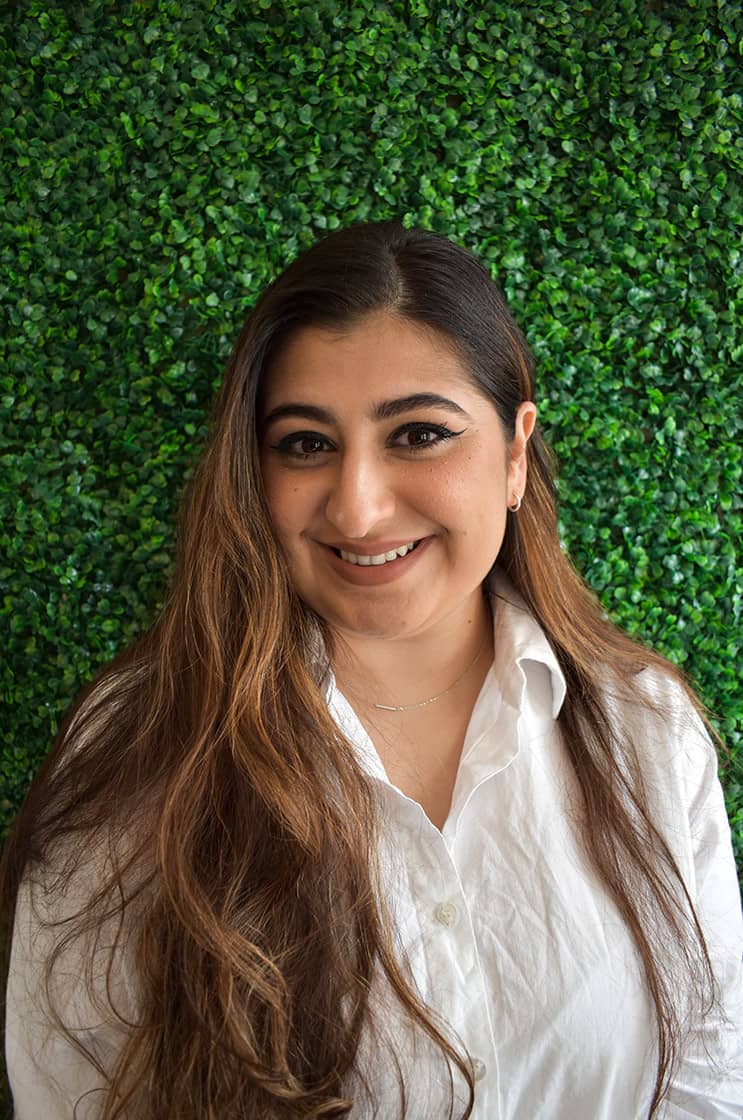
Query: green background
(162, 161)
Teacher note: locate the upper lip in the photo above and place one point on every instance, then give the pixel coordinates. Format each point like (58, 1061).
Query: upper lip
(375, 548)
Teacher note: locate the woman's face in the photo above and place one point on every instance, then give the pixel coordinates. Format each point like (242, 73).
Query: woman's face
(373, 440)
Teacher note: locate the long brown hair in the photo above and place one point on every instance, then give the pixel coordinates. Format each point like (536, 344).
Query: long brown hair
(235, 833)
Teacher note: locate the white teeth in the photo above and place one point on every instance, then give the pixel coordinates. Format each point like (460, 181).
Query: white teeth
(381, 558)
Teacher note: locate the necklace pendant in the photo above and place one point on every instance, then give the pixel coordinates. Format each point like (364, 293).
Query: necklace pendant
(431, 699)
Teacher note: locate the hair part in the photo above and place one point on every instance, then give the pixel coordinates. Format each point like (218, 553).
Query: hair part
(250, 890)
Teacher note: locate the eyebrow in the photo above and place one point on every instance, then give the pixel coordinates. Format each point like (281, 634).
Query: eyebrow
(385, 410)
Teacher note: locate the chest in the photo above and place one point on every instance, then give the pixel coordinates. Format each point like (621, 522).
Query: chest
(421, 749)
(421, 753)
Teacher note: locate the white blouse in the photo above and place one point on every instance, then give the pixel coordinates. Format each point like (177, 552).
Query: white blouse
(508, 933)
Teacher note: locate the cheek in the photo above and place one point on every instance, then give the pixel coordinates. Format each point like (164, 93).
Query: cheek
(292, 505)
(477, 485)
(281, 498)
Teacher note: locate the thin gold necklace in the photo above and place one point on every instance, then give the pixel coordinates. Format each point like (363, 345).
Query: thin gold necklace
(423, 703)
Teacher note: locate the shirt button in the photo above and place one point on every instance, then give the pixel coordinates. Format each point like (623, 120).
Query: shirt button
(446, 914)
(479, 1069)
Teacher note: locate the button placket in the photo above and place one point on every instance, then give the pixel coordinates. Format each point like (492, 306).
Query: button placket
(447, 960)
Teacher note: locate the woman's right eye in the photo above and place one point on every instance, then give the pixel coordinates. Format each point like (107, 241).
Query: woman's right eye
(302, 445)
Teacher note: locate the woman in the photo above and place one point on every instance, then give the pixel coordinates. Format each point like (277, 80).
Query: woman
(383, 816)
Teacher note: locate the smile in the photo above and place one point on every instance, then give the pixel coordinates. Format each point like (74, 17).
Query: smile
(381, 558)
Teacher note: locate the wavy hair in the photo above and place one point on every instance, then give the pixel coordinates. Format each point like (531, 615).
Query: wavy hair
(236, 834)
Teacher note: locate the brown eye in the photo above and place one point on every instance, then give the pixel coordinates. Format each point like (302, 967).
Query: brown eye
(417, 437)
(302, 445)
(309, 445)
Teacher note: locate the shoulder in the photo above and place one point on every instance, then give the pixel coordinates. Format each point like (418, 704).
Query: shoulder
(71, 987)
(78, 903)
(673, 746)
(677, 763)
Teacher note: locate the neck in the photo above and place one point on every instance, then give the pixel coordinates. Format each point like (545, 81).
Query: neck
(407, 669)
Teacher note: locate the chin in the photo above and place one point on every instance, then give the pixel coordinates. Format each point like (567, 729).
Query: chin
(368, 627)
(368, 622)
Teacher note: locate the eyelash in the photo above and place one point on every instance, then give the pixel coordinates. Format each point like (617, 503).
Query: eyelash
(442, 433)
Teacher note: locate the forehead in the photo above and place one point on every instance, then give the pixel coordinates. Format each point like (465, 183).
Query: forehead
(380, 353)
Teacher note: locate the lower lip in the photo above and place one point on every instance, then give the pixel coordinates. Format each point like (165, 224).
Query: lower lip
(372, 575)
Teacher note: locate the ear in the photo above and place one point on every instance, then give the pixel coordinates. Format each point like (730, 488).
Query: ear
(526, 418)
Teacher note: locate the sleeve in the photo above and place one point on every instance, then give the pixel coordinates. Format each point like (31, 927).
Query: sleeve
(50, 1076)
(708, 1083)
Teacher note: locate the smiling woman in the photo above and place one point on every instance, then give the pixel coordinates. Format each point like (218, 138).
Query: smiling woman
(387, 468)
(383, 817)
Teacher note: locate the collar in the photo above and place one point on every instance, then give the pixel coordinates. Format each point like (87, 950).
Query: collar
(519, 640)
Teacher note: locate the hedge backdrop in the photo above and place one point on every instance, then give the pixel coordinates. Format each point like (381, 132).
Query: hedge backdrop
(162, 161)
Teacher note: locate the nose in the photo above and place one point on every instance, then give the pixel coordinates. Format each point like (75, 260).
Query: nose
(361, 496)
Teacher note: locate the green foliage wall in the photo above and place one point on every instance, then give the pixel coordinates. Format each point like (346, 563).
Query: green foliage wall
(160, 162)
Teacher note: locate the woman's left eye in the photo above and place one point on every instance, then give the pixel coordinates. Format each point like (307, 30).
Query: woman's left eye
(416, 437)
